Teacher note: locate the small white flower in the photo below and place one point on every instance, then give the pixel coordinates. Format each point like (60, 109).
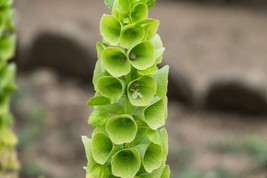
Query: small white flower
(136, 94)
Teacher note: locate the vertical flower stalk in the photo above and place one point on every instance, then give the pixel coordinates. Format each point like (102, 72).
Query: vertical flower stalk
(130, 104)
(8, 158)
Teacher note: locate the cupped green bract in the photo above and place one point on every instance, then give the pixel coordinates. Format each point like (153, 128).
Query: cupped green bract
(141, 91)
(153, 114)
(87, 146)
(142, 56)
(153, 157)
(7, 79)
(109, 3)
(150, 3)
(162, 172)
(131, 35)
(111, 88)
(164, 137)
(7, 46)
(126, 163)
(98, 117)
(139, 12)
(100, 171)
(151, 27)
(98, 73)
(101, 148)
(115, 61)
(161, 78)
(121, 10)
(159, 49)
(110, 29)
(121, 129)
(99, 48)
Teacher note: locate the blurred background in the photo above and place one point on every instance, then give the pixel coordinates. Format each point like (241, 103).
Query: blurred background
(217, 51)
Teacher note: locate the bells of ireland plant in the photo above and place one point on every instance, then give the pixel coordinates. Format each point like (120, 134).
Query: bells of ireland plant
(9, 165)
(130, 102)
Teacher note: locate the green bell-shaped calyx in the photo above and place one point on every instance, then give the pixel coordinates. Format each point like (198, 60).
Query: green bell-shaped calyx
(110, 87)
(93, 169)
(115, 61)
(151, 27)
(161, 78)
(162, 172)
(131, 35)
(98, 73)
(149, 3)
(159, 49)
(139, 12)
(152, 158)
(126, 163)
(142, 56)
(98, 117)
(153, 114)
(141, 91)
(102, 148)
(110, 29)
(121, 129)
(7, 46)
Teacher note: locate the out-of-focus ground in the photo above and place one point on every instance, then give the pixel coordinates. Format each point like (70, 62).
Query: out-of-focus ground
(217, 120)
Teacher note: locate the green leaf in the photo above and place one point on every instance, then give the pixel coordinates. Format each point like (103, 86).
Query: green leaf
(115, 61)
(151, 27)
(98, 100)
(121, 129)
(141, 91)
(153, 114)
(161, 78)
(131, 35)
(7, 46)
(109, 3)
(142, 56)
(126, 163)
(102, 148)
(110, 29)
(111, 87)
(98, 117)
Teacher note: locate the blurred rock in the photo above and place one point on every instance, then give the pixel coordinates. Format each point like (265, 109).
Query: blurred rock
(230, 95)
(67, 52)
(179, 88)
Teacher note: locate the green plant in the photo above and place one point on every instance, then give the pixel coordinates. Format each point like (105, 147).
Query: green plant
(130, 104)
(8, 161)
